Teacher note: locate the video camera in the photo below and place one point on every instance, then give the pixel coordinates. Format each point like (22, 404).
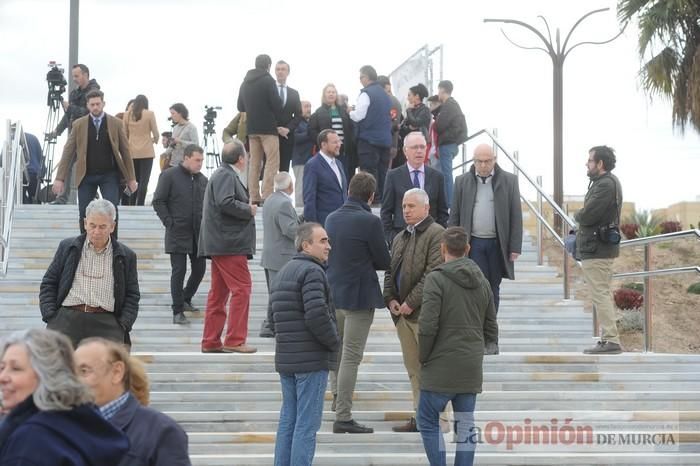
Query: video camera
(209, 117)
(56, 82)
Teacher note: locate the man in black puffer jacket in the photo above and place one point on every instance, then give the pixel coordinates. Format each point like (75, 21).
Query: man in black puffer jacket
(304, 322)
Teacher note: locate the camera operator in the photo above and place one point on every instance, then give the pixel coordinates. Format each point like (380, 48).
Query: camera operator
(75, 108)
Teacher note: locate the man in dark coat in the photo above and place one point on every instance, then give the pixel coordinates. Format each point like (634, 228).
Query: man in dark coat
(352, 272)
(451, 128)
(305, 327)
(178, 201)
(108, 370)
(487, 205)
(457, 321)
(289, 116)
(91, 288)
(601, 208)
(227, 236)
(413, 174)
(303, 149)
(258, 97)
(325, 184)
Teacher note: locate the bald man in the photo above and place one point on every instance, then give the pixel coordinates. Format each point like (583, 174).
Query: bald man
(486, 204)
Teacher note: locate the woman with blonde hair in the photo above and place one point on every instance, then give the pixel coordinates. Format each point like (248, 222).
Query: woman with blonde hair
(51, 416)
(331, 115)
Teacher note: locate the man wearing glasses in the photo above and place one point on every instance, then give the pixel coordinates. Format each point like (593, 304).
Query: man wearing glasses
(413, 174)
(91, 288)
(486, 204)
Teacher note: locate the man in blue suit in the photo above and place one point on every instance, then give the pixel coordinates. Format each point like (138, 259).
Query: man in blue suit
(325, 184)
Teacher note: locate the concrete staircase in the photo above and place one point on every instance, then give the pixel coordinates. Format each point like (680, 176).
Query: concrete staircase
(229, 404)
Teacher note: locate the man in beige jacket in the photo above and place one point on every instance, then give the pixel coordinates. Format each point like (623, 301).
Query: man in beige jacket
(98, 144)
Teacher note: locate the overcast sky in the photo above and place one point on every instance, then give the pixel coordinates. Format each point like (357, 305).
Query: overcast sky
(198, 52)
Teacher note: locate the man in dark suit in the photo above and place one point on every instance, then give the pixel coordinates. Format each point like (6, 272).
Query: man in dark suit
(290, 116)
(99, 146)
(358, 252)
(413, 174)
(325, 184)
(280, 224)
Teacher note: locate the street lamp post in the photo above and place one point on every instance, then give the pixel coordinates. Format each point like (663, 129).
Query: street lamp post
(558, 53)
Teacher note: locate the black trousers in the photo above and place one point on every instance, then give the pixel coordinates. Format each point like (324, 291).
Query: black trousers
(78, 325)
(374, 160)
(178, 262)
(142, 169)
(286, 150)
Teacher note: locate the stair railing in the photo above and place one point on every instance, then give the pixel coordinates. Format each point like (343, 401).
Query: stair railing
(647, 242)
(11, 168)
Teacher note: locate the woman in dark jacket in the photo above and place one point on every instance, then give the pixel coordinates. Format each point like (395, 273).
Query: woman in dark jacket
(330, 115)
(51, 417)
(417, 114)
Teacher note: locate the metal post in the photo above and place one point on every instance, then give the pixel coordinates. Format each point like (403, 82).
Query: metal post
(596, 327)
(567, 288)
(648, 305)
(540, 251)
(493, 144)
(74, 33)
(516, 156)
(464, 158)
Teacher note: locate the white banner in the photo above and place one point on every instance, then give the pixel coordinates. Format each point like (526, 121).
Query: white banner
(410, 73)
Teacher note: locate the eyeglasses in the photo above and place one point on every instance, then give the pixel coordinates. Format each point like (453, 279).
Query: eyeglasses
(417, 147)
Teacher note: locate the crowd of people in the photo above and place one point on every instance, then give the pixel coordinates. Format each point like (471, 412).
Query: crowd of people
(444, 246)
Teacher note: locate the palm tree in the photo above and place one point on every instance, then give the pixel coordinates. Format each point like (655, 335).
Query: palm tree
(674, 71)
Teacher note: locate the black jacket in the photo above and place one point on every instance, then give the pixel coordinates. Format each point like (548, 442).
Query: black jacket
(303, 314)
(178, 201)
(258, 97)
(58, 280)
(398, 181)
(600, 207)
(417, 119)
(359, 251)
(451, 126)
(321, 119)
(77, 106)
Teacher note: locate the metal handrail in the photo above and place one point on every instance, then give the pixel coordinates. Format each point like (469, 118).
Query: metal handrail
(10, 188)
(660, 238)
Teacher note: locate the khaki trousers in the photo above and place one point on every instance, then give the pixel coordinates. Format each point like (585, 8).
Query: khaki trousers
(265, 146)
(598, 275)
(298, 185)
(353, 328)
(408, 337)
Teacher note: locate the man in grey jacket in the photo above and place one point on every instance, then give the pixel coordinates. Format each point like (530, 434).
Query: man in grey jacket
(601, 208)
(280, 223)
(487, 205)
(457, 321)
(227, 237)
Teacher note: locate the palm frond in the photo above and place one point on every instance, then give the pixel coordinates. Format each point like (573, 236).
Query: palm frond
(658, 74)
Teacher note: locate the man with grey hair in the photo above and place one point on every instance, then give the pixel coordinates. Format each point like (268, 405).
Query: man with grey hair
(91, 288)
(227, 237)
(280, 223)
(415, 252)
(303, 315)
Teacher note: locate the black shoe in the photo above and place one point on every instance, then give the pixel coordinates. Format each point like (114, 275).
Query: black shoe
(604, 347)
(266, 330)
(180, 319)
(410, 426)
(350, 427)
(335, 398)
(58, 202)
(188, 307)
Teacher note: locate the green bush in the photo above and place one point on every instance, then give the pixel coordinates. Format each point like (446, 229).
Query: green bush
(694, 288)
(629, 321)
(649, 224)
(634, 286)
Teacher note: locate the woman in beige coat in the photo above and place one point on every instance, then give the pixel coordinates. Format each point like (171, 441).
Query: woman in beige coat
(142, 132)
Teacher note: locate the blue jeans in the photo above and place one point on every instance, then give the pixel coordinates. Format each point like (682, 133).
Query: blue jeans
(300, 417)
(486, 252)
(447, 152)
(109, 189)
(430, 406)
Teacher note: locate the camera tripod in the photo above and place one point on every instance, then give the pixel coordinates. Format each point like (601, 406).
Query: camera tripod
(54, 101)
(210, 144)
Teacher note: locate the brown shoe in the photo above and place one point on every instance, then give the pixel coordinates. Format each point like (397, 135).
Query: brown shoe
(239, 349)
(212, 350)
(410, 426)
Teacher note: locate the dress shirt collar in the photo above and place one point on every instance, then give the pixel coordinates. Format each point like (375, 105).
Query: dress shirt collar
(110, 409)
(411, 169)
(330, 160)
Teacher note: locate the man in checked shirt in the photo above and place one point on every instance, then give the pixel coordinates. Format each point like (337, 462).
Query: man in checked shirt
(91, 288)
